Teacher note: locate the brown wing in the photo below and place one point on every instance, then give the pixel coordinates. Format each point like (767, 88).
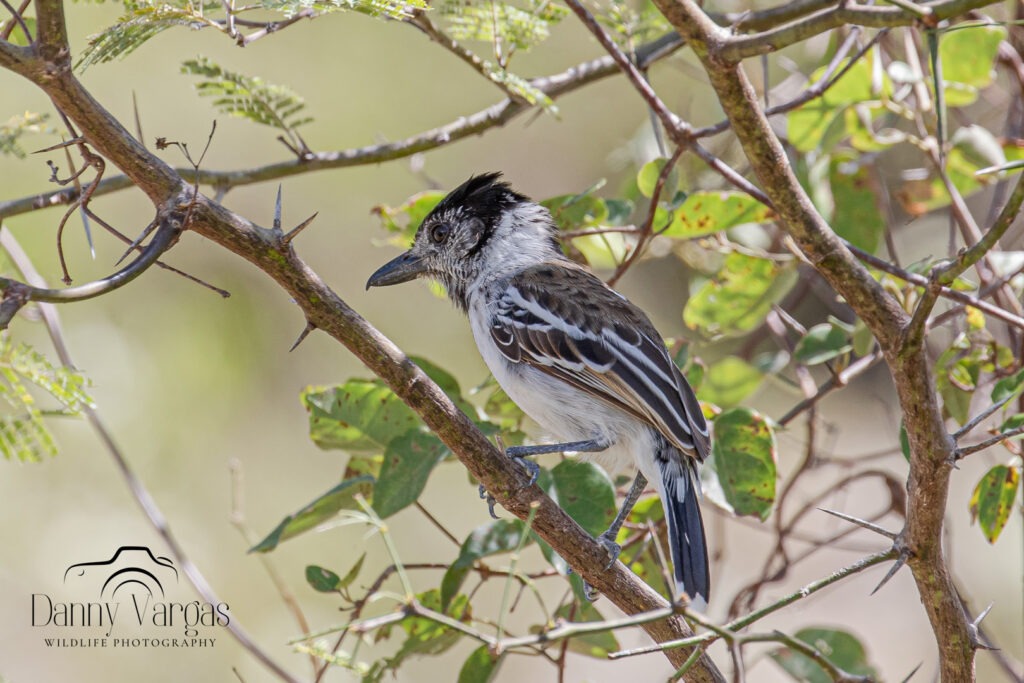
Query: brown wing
(564, 321)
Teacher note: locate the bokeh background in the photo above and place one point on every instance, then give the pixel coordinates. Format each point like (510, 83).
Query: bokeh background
(189, 382)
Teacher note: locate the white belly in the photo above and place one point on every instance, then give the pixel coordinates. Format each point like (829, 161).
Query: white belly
(564, 412)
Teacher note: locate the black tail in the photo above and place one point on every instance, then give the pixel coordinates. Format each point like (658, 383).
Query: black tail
(686, 528)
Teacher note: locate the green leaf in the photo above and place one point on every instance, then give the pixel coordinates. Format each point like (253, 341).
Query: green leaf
(858, 121)
(322, 580)
(500, 21)
(729, 381)
(341, 497)
(1008, 386)
(992, 500)
(745, 453)
(605, 251)
(352, 573)
(619, 211)
(519, 86)
(17, 36)
(408, 462)
(390, 9)
(248, 97)
(647, 179)
(359, 416)
(577, 211)
(585, 492)
(808, 128)
(822, 343)
(956, 380)
(17, 126)
(142, 21)
(705, 213)
(855, 216)
(968, 59)
(492, 538)
(480, 666)
(904, 441)
(23, 431)
(1012, 422)
(839, 647)
(738, 298)
(597, 644)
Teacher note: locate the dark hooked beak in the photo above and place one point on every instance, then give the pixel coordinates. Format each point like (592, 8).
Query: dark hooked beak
(406, 267)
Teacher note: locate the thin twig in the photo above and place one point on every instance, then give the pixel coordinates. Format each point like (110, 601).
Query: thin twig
(51, 319)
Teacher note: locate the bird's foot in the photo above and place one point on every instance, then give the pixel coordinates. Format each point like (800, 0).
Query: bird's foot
(613, 549)
(484, 495)
(532, 468)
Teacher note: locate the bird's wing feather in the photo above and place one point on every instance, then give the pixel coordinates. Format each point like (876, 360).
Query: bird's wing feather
(562, 320)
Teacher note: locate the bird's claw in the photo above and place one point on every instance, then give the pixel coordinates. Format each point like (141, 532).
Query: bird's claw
(490, 501)
(532, 468)
(613, 549)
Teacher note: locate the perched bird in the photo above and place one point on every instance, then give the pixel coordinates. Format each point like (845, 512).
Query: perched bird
(577, 357)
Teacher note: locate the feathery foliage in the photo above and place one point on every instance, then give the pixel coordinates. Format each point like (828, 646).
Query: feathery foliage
(392, 9)
(23, 432)
(141, 22)
(502, 23)
(249, 97)
(16, 126)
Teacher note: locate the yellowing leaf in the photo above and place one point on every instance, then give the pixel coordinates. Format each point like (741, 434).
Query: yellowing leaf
(705, 213)
(738, 298)
(992, 500)
(745, 453)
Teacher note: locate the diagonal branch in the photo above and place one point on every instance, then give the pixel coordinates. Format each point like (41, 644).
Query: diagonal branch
(932, 448)
(328, 312)
(821, 246)
(495, 116)
(735, 49)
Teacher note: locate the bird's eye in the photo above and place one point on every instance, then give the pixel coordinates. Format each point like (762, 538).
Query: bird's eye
(439, 233)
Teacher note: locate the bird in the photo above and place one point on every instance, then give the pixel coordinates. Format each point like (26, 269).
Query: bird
(577, 357)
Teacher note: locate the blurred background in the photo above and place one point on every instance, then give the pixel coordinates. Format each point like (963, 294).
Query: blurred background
(189, 382)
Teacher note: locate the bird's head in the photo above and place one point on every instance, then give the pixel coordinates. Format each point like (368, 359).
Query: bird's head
(481, 227)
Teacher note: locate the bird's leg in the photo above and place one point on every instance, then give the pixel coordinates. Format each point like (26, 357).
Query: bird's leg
(607, 539)
(521, 452)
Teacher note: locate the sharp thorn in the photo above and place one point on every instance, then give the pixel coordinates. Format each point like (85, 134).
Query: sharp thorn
(60, 145)
(911, 674)
(88, 232)
(294, 232)
(861, 523)
(302, 336)
(984, 613)
(975, 632)
(134, 245)
(277, 210)
(900, 561)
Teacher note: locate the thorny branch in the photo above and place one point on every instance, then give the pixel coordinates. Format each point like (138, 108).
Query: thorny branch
(720, 50)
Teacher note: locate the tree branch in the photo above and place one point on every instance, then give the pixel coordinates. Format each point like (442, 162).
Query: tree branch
(931, 447)
(266, 249)
(735, 49)
(495, 116)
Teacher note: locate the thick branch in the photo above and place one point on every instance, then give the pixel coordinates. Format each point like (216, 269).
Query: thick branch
(822, 247)
(738, 48)
(326, 311)
(931, 447)
(499, 475)
(495, 116)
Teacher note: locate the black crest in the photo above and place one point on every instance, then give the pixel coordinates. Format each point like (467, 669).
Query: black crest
(484, 196)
